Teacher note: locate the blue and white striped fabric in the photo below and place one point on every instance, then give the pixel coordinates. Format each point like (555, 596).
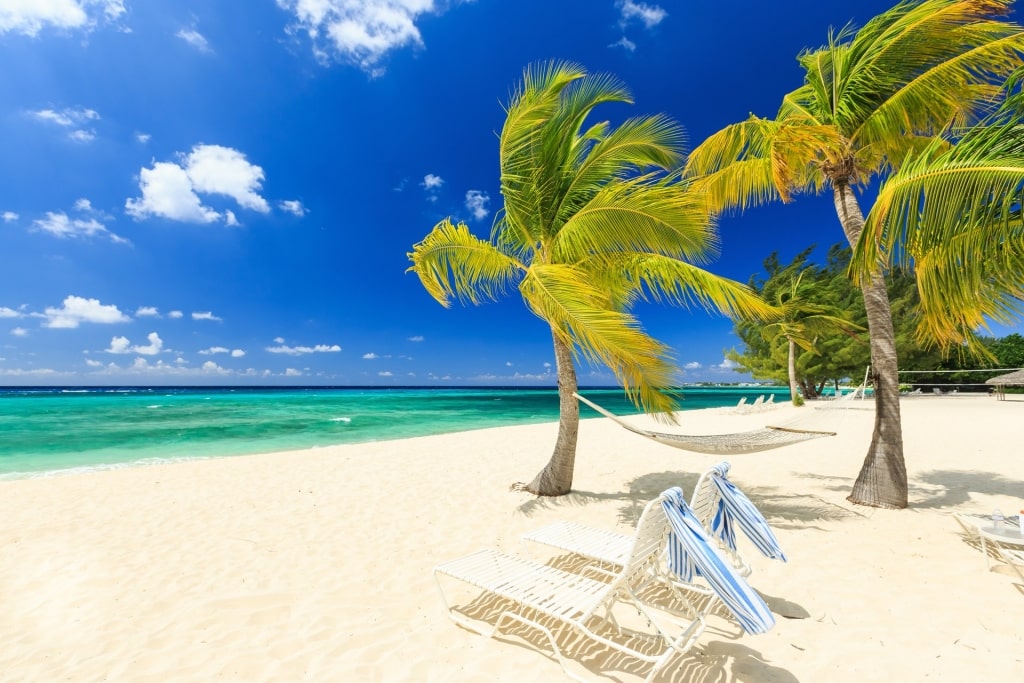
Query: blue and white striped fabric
(691, 551)
(735, 509)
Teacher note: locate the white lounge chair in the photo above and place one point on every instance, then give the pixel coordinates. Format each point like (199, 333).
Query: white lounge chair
(1014, 558)
(576, 601)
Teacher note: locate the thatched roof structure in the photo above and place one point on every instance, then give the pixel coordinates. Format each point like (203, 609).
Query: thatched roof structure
(1015, 378)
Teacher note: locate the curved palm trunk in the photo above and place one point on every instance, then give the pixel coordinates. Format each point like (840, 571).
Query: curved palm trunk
(792, 371)
(882, 481)
(556, 477)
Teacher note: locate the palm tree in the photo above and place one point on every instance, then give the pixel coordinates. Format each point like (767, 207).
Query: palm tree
(955, 212)
(870, 98)
(800, 323)
(594, 220)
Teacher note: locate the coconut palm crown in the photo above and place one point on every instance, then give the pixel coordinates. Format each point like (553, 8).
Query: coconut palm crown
(871, 99)
(595, 219)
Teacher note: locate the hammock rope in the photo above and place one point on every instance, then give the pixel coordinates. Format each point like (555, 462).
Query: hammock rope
(751, 441)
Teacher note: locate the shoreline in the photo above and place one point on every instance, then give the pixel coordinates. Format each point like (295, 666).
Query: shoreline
(316, 564)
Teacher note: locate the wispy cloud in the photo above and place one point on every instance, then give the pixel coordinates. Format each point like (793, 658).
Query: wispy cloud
(293, 206)
(19, 332)
(74, 117)
(9, 216)
(205, 315)
(29, 17)
(370, 356)
(625, 43)
(302, 350)
(76, 310)
(649, 15)
(476, 202)
(10, 313)
(171, 190)
(360, 32)
(59, 224)
(417, 338)
(147, 312)
(432, 184)
(195, 39)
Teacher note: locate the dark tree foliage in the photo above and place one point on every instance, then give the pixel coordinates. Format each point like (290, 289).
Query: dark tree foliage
(840, 355)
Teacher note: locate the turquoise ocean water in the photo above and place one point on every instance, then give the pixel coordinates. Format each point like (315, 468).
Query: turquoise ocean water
(50, 430)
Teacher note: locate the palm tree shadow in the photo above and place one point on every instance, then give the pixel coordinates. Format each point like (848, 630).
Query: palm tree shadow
(949, 488)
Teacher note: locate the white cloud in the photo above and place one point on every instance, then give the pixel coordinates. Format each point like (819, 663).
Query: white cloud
(727, 364)
(693, 365)
(293, 206)
(9, 216)
(212, 350)
(76, 310)
(547, 365)
(279, 340)
(300, 350)
(207, 315)
(175, 314)
(384, 373)
(624, 43)
(143, 137)
(476, 202)
(649, 15)
(170, 190)
(508, 363)
(83, 204)
(369, 356)
(93, 363)
(19, 332)
(432, 182)
(73, 117)
(29, 17)
(120, 345)
(10, 313)
(237, 353)
(167, 192)
(59, 224)
(292, 372)
(417, 338)
(360, 32)
(210, 366)
(147, 311)
(195, 39)
(214, 169)
(230, 220)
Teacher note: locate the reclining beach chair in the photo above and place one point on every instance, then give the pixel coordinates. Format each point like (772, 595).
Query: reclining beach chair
(575, 601)
(720, 507)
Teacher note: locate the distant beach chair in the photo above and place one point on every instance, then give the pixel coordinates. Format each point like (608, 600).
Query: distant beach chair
(573, 600)
(770, 403)
(756, 405)
(741, 407)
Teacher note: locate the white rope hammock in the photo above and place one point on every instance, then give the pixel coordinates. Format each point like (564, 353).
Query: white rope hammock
(751, 441)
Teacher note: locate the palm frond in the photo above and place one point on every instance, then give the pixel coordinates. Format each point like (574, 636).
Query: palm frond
(647, 213)
(578, 311)
(451, 262)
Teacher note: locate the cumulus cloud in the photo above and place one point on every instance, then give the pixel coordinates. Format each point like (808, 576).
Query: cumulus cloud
(302, 350)
(10, 313)
(292, 372)
(143, 137)
(370, 356)
(9, 216)
(648, 15)
(171, 190)
(19, 332)
(727, 364)
(206, 315)
(384, 373)
(195, 39)
(29, 17)
(76, 310)
(147, 312)
(237, 353)
(476, 202)
(120, 345)
(432, 182)
(175, 314)
(59, 224)
(293, 206)
(360, 32)
(693, 365)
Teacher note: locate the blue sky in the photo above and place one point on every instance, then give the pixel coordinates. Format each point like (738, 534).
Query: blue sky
(219, 192)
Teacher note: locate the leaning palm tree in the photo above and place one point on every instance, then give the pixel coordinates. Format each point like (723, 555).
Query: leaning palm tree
(870, 99)
(801, 321)
(594, 220)
(955, 213)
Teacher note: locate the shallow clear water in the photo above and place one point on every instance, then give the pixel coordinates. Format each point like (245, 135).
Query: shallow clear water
(44, 430)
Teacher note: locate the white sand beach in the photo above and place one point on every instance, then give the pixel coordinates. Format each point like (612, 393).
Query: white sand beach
(316, 565)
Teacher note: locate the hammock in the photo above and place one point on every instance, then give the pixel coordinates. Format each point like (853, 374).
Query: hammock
(752, 441)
